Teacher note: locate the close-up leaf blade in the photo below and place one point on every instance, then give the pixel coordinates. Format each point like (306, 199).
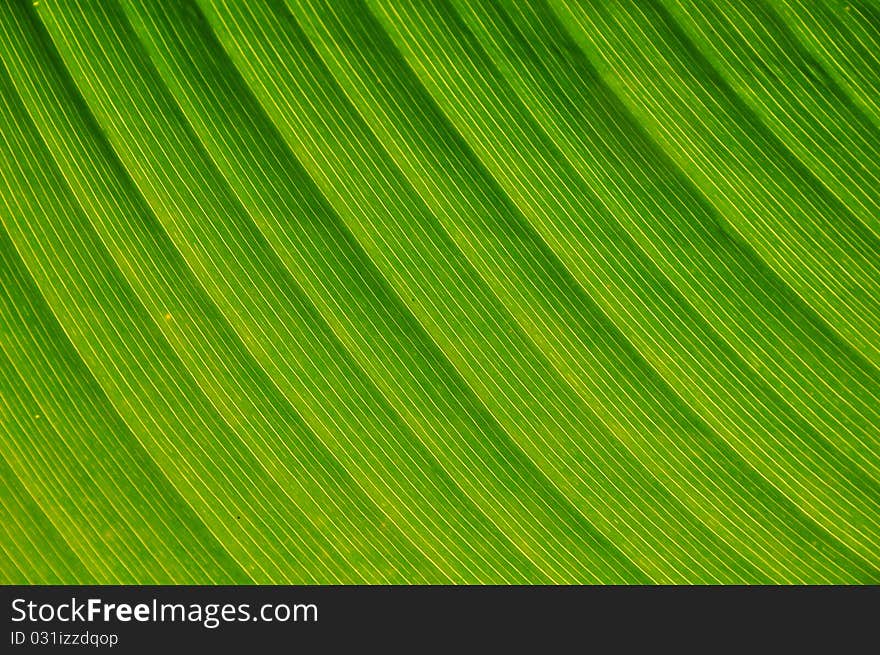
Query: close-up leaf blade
(453, 292)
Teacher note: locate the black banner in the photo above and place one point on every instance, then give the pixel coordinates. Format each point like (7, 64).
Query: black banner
(131, 619)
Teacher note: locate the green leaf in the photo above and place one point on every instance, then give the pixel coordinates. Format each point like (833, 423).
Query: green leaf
(460, 291)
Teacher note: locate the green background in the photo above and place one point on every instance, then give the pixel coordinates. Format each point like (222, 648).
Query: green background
(470, 292)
